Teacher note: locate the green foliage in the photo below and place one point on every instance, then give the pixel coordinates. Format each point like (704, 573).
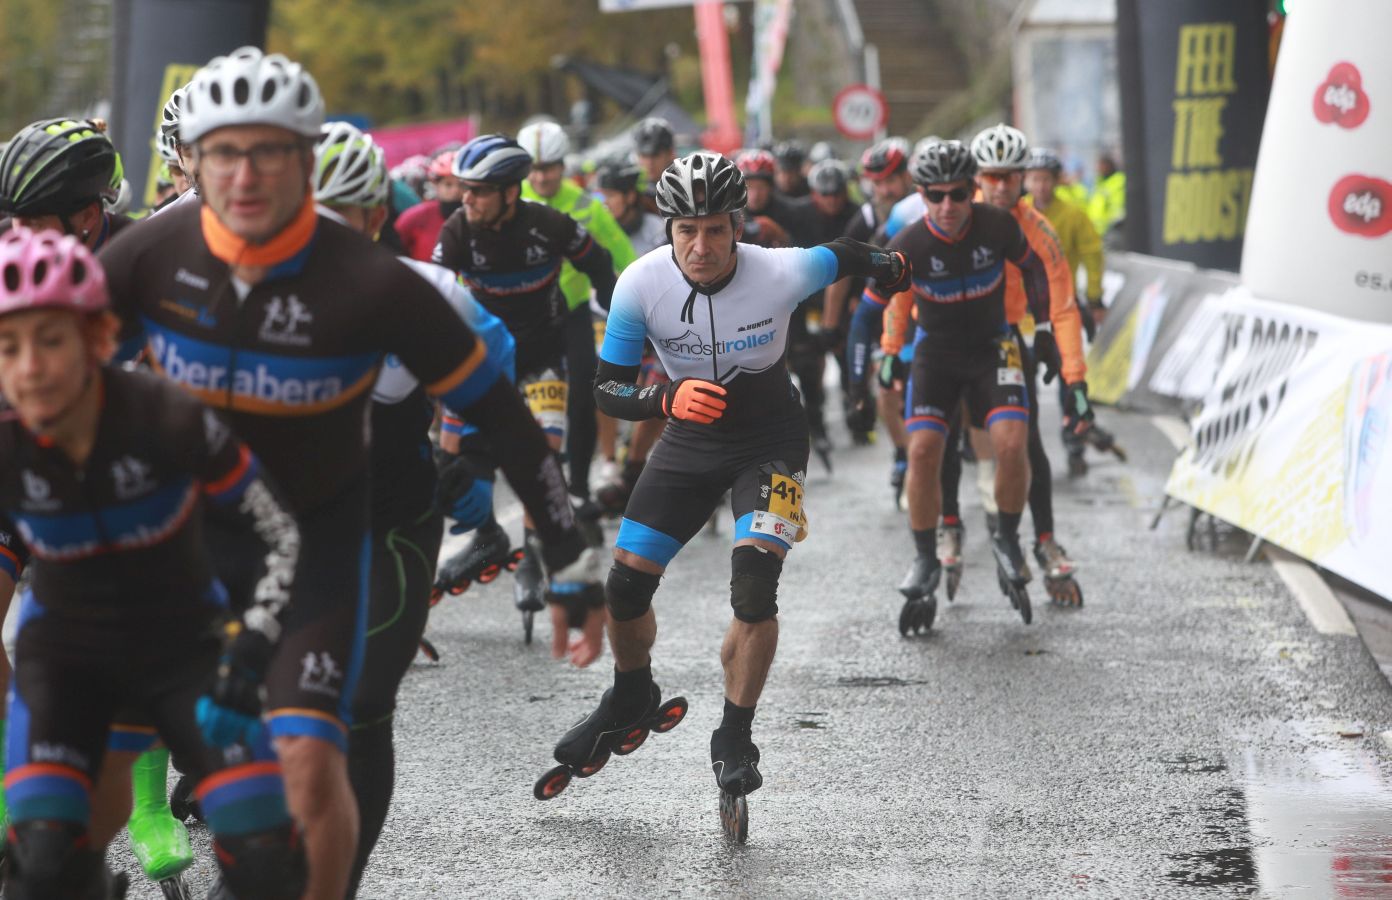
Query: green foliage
(29, 57)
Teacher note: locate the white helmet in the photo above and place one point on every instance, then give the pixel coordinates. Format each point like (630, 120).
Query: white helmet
(249, 87)
(545, 141)
(169, 116)
(349, 168)
(168, 147)
(1001, 147)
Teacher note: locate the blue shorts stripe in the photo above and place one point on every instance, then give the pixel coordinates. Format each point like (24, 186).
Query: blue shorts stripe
(744, 528)
(321, 726)
(130, 739)
(649, 543)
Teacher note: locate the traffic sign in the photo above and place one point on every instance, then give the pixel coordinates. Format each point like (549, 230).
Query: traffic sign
(860, 111)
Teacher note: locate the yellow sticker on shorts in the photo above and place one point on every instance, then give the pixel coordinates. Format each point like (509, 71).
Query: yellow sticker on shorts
(1010, 355)
(546, 397)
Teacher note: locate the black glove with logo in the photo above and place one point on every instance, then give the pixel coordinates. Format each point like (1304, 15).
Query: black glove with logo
(1046, 351)
(1077, 411)
(891, 271)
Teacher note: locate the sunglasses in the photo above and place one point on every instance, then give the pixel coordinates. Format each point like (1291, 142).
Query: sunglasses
(480, 190)
(958, 195)
(995, 177)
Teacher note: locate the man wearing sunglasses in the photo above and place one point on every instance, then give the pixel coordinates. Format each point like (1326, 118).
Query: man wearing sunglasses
(964, 349)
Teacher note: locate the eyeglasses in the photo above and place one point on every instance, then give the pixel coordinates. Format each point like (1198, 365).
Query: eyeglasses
(222, 160)
(479, 190)
(958, 194)
(995, 177)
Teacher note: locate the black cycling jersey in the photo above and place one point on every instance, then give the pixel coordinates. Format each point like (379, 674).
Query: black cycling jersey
(959, 283)
(120, 538)
(514, 272)
(112, 225)
(785, 215)
(815, 227)
(14, 556)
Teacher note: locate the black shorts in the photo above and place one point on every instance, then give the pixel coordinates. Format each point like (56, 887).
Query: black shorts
(990, 377)
(74, 679)
(314, 674)
(689, 472)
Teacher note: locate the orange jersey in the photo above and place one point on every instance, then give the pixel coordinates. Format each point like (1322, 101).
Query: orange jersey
(1063, 301)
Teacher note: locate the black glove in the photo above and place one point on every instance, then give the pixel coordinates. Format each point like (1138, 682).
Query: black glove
(891, 271)
(891, 370)
(578, 602)
(1077, 411)
(232, 709)
(1046, 352)
(1089, 320)
(860, 417)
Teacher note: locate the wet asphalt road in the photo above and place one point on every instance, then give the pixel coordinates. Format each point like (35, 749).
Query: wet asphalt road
(1177, 737)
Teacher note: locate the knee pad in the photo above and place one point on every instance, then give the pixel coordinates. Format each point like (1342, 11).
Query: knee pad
(754, 583)
(264, 864)
(629, 592)
(49, 858)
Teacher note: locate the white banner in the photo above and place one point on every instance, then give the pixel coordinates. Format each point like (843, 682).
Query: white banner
(1319, 230)
(1294, 440)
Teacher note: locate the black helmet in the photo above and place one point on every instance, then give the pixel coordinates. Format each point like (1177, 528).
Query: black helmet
(790, 154)
(828, 177)
(616, 175)
(55, 167)
(1044, 158)
(885, 158)
(942, 162)
(701, 184)
(652, 136)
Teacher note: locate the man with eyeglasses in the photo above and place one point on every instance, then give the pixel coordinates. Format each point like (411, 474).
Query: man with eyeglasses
(280, 319)
(509, 252)
(963, 349)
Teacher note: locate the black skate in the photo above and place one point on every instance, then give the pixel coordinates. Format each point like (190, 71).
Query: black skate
(586, 747)
(1010, 571)
(920, 606)
(529, 588)
(1104, 441)
(182, 804)
(735, 761)
(613, 497)
(821, 445)
(484, 559)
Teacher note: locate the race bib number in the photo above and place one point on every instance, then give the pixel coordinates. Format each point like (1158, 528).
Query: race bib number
(1011, 370)
(546, 398)
(780, 512)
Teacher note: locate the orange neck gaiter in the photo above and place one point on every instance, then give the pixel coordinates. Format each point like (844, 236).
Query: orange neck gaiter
(235, 251)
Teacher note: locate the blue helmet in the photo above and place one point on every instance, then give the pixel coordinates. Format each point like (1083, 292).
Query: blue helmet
(492, 158)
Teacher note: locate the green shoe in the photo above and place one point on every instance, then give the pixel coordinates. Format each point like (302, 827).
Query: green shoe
(160, 841)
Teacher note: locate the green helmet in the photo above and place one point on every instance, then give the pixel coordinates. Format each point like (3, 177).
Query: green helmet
(55, 167)
(349, 168)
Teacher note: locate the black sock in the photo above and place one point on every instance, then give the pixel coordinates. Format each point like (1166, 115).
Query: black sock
(372, 772)
(631, 689)
(1010, 524)
(901, 454)
(740, 718)
(926, 542)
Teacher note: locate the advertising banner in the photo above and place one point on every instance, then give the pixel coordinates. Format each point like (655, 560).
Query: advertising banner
(1294, 440)
(771, 20)
(1320, 233)
(401, 141)
(1194, 90)
(157, 46)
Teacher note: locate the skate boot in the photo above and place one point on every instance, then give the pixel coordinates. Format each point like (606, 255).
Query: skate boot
(1075, 444)
(897, 475)
(1063, 588)
(182, 803)
(1011, 572)
(918, 586)
(1104, 441)
(613, 497)
(821, 445)
(950, 555)
(735, 761)
(484, 559)
(160, 841)
(587, 746)
(529, 586)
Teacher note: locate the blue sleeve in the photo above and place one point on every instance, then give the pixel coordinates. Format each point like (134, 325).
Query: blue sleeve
(811, 270)
(625, 329)
(864, 333)
(902, 213)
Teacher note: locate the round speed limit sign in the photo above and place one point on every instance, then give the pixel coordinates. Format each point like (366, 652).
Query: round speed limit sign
(860, 111)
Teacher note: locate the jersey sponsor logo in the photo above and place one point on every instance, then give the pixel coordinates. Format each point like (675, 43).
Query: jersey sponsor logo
(184, 276)
(319, 674)
(537, 255)
(61, 754)
(215, 433)
(937, 265)
(131, 478)
(1362, 205)
(283, 320)
(982, 257)
(1340, 99)
(692, 345)
(137, 523)
(38, 492)
(755, 326)
(189, 311)
(480, 261)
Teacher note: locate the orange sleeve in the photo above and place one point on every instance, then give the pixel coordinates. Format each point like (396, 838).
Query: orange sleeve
(898, 321)
(1063, 300)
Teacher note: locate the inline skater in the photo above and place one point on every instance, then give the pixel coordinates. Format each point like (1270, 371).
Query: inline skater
(509, 252)
(617, 182)
(418, 227)
(770, 220)
(1000, 154)
(886, 166)
(350, 180)
(281, 323)
(791, 178)
(546, 183)
(57, 176)
(654, 147)
(963, 349)
(1082, 245)
(716, 311)
(105, 475)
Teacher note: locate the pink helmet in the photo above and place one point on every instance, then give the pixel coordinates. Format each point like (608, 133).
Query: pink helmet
(49, 270)
(442, 166)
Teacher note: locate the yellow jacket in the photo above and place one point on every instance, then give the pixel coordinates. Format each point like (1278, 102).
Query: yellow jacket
(1080, 241)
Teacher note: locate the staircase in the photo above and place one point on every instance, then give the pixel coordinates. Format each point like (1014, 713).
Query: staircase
(920, 66)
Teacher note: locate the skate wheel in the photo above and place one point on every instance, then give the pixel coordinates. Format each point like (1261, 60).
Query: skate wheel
(631, 741)
(489, 573)
(429, 650)
(516, 559)
(592, 766)
(527, 618)
(954, 581)
(927, 611)
(670, 714)
(906, 619)
(176, 888)
(734, 817)
(437, 594)
(552, 783)
(1019, 598)
(456, 589)
(1066, 592)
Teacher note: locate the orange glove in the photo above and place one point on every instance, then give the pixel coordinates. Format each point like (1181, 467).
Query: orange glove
(693, 400)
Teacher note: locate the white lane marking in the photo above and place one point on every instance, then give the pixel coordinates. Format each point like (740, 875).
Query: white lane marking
(1323, 609)
(1175, 430)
